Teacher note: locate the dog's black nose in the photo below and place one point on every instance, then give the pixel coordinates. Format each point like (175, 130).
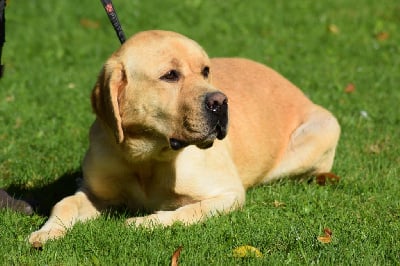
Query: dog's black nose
(217, 103)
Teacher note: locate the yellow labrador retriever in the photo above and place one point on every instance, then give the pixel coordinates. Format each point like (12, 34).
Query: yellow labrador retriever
(165, 142)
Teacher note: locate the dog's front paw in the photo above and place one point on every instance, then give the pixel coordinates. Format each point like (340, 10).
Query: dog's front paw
(38, 238)
(151, 221)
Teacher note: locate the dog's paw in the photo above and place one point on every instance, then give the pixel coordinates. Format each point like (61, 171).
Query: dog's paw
(151, 221)
(38, 238)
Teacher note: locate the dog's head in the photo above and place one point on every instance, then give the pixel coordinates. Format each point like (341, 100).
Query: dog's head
(155, 92)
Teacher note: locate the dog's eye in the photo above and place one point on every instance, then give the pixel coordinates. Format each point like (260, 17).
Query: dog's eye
(171, 76)
(205, 72)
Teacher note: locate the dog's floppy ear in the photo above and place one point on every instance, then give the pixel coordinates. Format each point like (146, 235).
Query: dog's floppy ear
(105, 97)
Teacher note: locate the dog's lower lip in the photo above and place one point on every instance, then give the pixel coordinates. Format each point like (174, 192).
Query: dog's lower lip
(205, 145)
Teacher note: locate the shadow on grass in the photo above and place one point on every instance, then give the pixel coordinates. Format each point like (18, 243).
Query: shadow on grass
(42, 199)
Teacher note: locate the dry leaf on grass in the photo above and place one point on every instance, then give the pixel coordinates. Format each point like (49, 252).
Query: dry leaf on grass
(175, 256)
(332, 28)
(375, 148)
(350, 88)
(246, 252)
(327, 237)
(278, 204)
(323, 178)
(382, 36)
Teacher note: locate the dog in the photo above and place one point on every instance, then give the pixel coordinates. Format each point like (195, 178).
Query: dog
(164, 141)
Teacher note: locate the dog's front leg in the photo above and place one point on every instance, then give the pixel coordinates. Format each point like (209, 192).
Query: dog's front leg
(194, 212)
(63, 216)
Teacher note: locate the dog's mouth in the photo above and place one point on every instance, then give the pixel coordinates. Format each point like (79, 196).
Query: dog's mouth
(219, 132)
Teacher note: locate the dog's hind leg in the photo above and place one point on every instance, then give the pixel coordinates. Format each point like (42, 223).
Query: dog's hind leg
(64, 215)
(311, 148)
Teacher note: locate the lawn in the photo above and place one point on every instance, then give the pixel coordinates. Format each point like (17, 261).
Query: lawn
(344, 54)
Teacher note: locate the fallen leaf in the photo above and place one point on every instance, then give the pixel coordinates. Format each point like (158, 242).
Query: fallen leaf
(89, 24)
(247, 251)
(382, 36)
(375, 148)
(332, 28)
(278, 204)
(327, 237)
(350, 88)
(175, 256)
(322, 178)
(327, 231)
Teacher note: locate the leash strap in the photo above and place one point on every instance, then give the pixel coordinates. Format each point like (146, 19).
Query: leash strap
(112, 15)
(2, 31)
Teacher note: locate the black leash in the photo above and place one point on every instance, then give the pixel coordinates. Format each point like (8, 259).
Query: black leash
(2, 31)
(112, 15)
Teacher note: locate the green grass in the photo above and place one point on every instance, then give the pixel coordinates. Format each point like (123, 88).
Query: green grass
(52, 58)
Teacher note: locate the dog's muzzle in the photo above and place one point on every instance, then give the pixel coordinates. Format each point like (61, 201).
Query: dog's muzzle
(216, 117)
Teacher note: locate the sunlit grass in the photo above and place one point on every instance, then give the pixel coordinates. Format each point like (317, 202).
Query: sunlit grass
(54, 51)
